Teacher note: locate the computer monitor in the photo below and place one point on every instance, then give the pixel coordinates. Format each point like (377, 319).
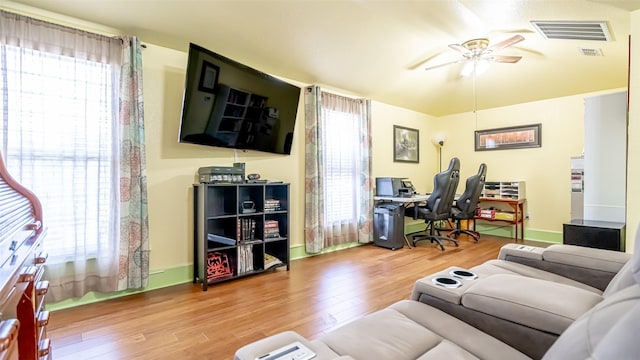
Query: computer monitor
(388, 186)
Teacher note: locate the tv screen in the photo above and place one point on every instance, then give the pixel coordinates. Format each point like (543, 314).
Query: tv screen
(227, 104)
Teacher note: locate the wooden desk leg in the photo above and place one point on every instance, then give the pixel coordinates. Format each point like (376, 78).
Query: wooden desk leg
(521, 220)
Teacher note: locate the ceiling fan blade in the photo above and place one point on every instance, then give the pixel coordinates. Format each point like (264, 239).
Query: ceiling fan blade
(459, 48)
(445, 64)
(508, 42)
(505, 58)
(530, 51)
(423, 60)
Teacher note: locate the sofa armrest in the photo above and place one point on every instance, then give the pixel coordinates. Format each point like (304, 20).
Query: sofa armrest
(594, 267)
(264, 346)
(535, 303)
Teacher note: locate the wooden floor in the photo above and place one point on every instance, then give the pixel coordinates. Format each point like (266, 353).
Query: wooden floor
(316, 295)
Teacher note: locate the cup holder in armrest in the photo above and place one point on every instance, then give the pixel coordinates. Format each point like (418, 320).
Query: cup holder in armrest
(463, 274)
(447, 282)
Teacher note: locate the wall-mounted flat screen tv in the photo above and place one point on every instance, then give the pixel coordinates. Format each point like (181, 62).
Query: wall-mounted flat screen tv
(227, 104)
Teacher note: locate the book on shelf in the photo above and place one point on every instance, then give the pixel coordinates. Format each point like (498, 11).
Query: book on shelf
(271, 205)
(221, 239)
(271, 261)
(246, 230)
(245, 259)
(271, 229)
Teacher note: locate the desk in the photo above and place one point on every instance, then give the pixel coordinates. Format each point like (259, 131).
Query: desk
(402, 201)
(517, 205)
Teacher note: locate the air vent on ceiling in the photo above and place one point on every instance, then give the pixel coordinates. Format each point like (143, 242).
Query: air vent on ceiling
(573, 30)
(590, 51)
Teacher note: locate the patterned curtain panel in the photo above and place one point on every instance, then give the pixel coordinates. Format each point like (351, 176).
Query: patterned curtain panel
(365, 185)
(73, 108)
(134, 218)
(338, 196)
(314, 205)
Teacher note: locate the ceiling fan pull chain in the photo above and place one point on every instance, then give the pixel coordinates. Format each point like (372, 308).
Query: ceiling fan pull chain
(475, 99)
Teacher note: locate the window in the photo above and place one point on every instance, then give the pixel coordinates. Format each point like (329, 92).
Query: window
(338, 195)
(341, 165)
(58, 140)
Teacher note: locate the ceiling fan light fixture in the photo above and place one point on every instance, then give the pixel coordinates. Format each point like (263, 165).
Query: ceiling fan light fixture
(477, 66)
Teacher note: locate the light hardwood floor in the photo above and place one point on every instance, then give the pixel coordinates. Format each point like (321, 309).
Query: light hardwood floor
(316, 295)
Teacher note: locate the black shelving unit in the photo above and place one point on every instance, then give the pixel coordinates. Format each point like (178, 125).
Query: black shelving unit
(239, 230)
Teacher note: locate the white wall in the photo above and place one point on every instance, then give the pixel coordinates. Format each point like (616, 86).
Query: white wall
(633, 151)
(605, 161)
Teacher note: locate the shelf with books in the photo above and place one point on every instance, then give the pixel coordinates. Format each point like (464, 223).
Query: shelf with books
(244, 227)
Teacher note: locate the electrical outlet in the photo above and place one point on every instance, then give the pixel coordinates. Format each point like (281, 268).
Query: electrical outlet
(527, 216)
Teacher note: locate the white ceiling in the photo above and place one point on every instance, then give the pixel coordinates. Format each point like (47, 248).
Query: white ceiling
(371, 48)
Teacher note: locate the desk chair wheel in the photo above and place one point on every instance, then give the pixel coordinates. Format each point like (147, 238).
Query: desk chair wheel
(455, 233)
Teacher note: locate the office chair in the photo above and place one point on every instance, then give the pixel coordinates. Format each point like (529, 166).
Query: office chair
(465, 207)
(439, 203)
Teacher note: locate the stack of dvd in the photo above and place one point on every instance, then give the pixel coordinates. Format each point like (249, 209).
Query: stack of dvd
(271, 205)
(271, 229)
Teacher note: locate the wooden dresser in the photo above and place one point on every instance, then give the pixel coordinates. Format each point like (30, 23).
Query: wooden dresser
(23, 318)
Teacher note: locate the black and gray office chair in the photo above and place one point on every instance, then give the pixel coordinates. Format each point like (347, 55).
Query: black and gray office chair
(465, 206)
(439, 204)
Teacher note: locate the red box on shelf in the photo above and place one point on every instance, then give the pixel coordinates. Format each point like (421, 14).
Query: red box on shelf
(486, 213)
(218, 266)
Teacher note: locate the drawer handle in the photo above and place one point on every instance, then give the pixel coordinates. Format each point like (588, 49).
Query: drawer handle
(43, 318)
(34, 225)
(8, 333)
(42, 258)
(42, 287)
(44, 346)
(28, 274)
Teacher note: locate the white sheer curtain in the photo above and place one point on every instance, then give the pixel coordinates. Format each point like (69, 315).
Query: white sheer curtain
(59, 109)
(340, 117)
(338, 197)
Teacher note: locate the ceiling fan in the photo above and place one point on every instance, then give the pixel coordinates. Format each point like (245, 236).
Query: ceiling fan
(478, 53)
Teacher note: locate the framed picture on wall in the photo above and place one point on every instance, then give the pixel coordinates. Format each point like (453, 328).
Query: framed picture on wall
(514, 137)
(208, 77)
(406, 143)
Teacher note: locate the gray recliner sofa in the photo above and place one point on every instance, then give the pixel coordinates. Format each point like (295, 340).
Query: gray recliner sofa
(410, 329)
(528, 306)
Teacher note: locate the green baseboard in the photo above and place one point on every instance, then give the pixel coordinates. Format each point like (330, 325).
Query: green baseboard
(184, 274)
(157, 280)
(529, 234)
(299, 251)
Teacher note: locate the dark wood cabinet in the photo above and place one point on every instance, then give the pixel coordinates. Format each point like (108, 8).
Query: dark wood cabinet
(23, 317)
(595, 234)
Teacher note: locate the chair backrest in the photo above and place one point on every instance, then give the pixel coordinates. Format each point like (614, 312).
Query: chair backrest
(445, 185)
(468, 201)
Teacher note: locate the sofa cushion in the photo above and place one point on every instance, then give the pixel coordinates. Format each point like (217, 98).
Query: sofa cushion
(412, 330)
(539, 304)
(386, 334)
(493, 267)
(586, 257)
(624, 278)
(266, 345)
(589, 331)
(621, 342)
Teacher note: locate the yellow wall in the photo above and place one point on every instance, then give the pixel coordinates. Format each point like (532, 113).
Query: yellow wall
(545, 170)
(384, 117)
(171, 167)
